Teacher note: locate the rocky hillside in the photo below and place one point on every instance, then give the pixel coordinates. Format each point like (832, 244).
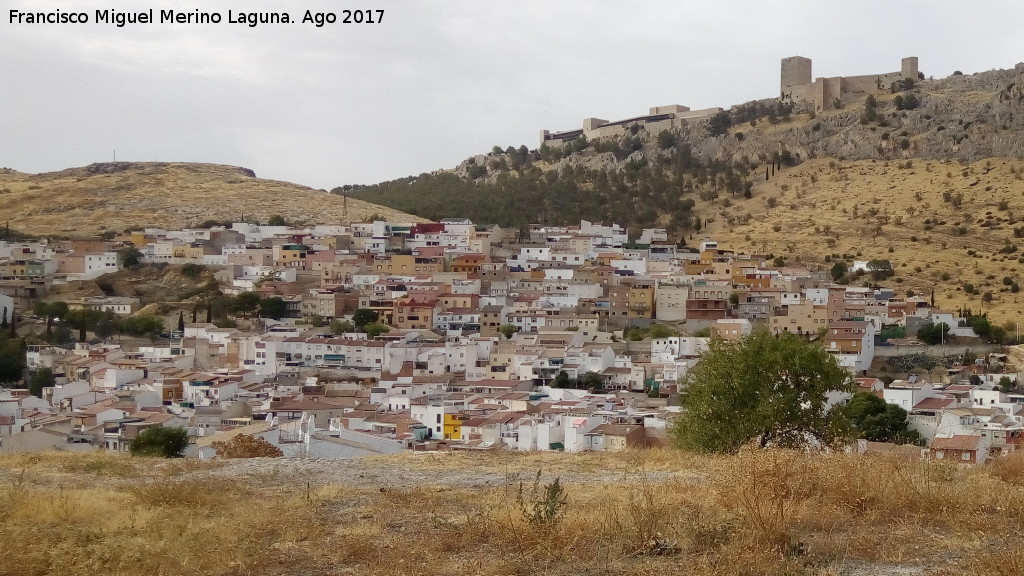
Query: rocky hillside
(118, 195)
(643, 179)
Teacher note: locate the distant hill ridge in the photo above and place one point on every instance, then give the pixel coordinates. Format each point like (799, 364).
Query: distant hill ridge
(118, 195)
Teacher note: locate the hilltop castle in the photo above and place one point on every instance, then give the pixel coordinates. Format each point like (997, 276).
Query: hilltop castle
(658, 118)
(796, 86)
(824, 92)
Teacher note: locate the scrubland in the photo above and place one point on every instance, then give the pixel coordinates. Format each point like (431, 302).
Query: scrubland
(637, 512)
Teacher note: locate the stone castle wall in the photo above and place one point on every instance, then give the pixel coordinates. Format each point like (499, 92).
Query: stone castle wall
(657, 119)
(796, 84)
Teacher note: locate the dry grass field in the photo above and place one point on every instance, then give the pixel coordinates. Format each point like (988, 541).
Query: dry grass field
(638, 512)
(168, 195)
(941, 224)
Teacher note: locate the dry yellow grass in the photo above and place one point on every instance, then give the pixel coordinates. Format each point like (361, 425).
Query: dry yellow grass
(168, 195)
(762, 512)
(894, 210)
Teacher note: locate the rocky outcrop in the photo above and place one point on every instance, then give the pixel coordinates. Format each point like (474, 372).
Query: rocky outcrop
(962, 117)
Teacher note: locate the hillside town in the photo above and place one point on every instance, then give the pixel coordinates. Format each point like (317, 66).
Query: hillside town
(454, 336)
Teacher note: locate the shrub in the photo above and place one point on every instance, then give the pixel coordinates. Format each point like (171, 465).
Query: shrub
(542, 506)
(192, 270)
(246, 446)
(160, 441)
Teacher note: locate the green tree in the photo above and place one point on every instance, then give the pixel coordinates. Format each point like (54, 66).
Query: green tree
(364, 316)
(839, 270)
(276, 220)
(245, 303)
(874, 419)
(83, 319)
(1006, 384)
(160, 441)
(508, 330)
(893, 331)
(880, 269)
(62, 336)
(774, 391)
(40, 379)
(105, 326)
(143, 325)
(933, 333)
(273, 307)
(374, 329)
(561, 380)
(660, 331)
(12, 361)
(192, 270)
(666, 139)
(339, 327)
(870, 110)
(591, 381)
(130, 257)
(51, 311)
(719, 123)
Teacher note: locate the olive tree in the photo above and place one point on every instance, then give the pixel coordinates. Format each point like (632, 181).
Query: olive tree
(770, 390)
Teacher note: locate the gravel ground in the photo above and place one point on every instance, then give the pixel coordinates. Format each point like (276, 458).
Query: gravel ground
(394, 472)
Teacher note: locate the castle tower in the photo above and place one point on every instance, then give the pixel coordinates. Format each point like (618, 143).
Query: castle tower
(909, 68)
(796, 71)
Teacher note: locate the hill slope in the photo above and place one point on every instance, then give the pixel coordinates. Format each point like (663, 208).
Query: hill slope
(937, 189)
(117, 195)
(643, 179)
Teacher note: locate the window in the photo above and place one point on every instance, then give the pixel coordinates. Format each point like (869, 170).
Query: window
(966, 455)
(438, 420)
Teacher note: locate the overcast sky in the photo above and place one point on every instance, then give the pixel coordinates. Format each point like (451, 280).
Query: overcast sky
(436, 81)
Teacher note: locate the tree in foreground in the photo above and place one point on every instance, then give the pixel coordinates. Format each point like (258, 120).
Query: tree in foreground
(876, 420)
(246, 446)
(160, 441)
(773, 391)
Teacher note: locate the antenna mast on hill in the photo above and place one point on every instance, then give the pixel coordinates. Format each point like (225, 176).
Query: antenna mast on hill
(115, 154)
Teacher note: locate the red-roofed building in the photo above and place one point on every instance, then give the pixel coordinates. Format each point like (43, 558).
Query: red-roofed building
(415, 314)
(962, 448)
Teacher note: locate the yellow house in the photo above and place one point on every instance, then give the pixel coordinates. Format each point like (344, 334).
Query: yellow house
(453, 426)
(14, 268)
(641, 299)
(803, 318)
(291, 255)
(407, 264)
(139, 239)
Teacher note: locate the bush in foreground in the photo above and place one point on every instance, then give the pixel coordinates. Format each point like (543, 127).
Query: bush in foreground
(246, 446)
(160, 441)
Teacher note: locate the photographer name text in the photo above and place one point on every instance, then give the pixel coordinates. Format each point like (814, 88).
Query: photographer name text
(121, 19)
